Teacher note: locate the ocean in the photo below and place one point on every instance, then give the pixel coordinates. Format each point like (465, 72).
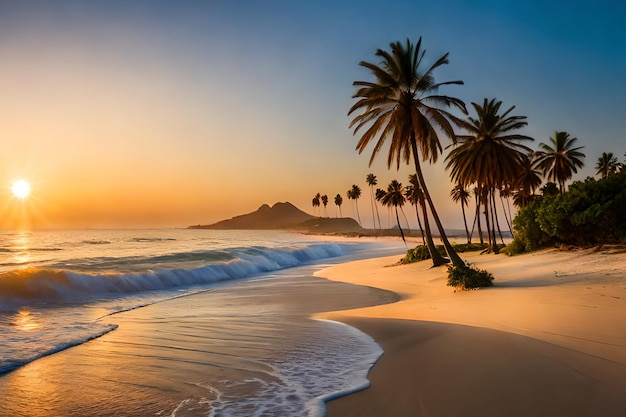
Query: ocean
(177, 322)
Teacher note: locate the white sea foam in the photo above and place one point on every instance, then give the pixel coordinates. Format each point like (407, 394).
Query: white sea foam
(319, 369)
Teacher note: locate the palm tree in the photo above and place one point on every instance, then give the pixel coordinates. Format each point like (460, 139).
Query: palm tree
(394, 197)
(607, 165)
(489, 156)
(354, 193)
(528, 180)
(415, 196)
(338, 203)
(371, 181)
(404, 106)
(560, 161)
(316, 201)
(460, 194)
(378, 195)
(325, 203)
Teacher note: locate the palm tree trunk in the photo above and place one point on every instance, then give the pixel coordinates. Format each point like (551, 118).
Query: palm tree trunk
(469, 238)
(477, 221)
(508, 204)
(372, 204)
(432, 249)
(506, 217)
(492, 238)
(419, 223)
(377, 214)
(408, 226)
(485, 203)
(473, 227)
(495, 212)
(454, 257)
(400, 227)
(356, 204)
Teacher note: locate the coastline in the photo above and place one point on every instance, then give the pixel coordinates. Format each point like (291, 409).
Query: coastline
(546, 340)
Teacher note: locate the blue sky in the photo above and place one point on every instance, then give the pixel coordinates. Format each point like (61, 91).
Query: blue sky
(225, 105)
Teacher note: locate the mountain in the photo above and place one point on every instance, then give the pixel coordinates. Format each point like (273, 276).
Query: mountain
(279, 216)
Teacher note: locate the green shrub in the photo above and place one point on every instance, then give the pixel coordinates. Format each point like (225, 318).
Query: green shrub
(468, 277)
(469, 247)
(419, 253)
(514, 248)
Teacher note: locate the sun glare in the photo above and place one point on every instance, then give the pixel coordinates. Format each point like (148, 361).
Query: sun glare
(20, 189)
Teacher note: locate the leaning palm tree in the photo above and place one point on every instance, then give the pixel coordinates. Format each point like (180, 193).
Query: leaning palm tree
(489, 156)
(354, 193)
(560, 161)
(394, 197)
(460, 194)
(607, 165)
(371, 181)
(403, 106)
(338, 203)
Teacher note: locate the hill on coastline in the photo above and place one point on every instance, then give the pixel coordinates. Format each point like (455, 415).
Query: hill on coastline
(286, 216)
(279, 216)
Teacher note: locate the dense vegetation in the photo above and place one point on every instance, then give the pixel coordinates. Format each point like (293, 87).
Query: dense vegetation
(589, 213)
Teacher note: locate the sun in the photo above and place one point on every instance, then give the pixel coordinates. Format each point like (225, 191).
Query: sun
(20, 189)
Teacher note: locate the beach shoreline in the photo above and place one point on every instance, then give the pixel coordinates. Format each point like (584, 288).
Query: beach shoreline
(547, 339)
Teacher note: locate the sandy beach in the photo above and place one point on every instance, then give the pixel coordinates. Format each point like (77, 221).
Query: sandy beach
(549, 339)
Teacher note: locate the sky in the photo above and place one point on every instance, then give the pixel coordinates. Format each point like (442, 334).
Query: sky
(171, 113)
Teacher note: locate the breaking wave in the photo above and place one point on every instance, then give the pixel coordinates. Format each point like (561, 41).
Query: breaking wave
(94, 278)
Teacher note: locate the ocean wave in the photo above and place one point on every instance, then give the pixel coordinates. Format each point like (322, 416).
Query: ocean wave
(152, 239)
(96, 242)
(36, 285)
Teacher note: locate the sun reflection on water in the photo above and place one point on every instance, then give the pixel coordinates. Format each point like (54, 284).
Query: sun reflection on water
(26, 321)
(21, 246)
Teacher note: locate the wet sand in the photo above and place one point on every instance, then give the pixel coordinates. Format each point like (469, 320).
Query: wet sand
(548, 340)
(234, 350)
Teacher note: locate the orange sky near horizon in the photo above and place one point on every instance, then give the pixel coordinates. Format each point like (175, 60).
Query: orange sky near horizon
(154, 114)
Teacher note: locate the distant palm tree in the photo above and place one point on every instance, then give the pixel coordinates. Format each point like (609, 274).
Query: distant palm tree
(354, 193)
(315, 202)
(404, 106)
(460, 194)
(415, 196)
(560, 161)
(607, 165)
(371, 181)
(338, 203)
(325, 203)
(489, 156)
(394, 197)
